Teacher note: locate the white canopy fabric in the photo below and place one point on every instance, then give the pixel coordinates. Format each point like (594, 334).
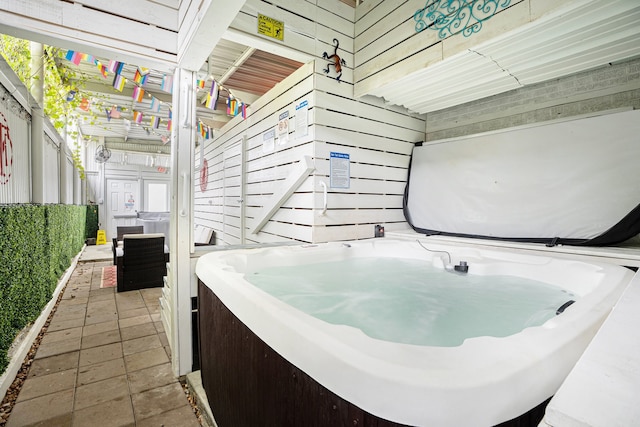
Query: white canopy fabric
(575, 180)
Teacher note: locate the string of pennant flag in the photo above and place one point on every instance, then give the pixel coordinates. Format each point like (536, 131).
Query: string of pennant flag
(234, 106)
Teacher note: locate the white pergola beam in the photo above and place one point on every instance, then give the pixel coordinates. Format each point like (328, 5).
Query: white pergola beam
(198, 37)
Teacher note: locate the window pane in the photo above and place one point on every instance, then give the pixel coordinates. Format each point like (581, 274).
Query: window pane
(157, 197)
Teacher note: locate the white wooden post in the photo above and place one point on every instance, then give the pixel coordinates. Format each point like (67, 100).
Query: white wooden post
(182, 149)
(37, 124)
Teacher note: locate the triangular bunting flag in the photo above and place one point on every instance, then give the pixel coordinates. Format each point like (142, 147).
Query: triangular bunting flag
(141, 76)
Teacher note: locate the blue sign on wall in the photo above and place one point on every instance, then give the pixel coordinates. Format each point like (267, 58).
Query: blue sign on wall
(340, 174)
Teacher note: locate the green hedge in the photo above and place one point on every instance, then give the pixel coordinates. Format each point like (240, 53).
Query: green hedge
(91, 226)
(37, 245)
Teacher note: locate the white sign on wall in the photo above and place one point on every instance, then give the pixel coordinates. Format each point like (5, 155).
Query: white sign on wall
(283, 128)
(268, 141)
(302, 120)
(340, 174)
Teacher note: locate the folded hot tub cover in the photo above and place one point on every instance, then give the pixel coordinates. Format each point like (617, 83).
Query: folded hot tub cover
(574, 182)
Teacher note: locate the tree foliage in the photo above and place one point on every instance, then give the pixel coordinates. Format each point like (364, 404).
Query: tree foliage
(59, 82)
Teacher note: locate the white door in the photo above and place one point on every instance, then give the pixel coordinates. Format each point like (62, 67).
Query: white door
(122, 203)
(233, 206)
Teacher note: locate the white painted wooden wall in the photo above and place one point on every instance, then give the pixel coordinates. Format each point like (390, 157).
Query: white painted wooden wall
(387, 46)
(15, 187)
(142, 32)
(51, 170)
(16, 112)
(378, 139)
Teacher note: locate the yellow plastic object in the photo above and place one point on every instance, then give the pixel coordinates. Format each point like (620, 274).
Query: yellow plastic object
(101, 238)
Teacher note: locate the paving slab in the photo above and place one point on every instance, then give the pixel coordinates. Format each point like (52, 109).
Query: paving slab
(97, 328)
(101, 338)
(182, 416)
(148, 378)
(137, 331)
(99, 354)
(100, 371)
(137, 361)
(58, 347)
(101, 391)
(138, 345)
(52, 364)
(113, 413)
(158, 400)
(47, 384)
(44, 410)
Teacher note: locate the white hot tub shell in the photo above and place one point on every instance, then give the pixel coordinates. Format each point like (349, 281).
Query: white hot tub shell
(484, 381)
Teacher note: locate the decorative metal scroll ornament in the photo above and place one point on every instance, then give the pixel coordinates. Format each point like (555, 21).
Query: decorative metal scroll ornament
(450, 17)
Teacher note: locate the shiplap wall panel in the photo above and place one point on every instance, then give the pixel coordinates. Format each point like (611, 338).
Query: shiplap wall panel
(346, 232)
(362, 109)
(375, 25)
(280, 157)
(365, 186)
(284, 231)
(45, 23)
(356, 139)
(328, 16)
(68, 182)
(51, 172)
(295, 27)
(379, 140)
(155, 13)
(186, 13)
(352, 232)
(366, 156)
(365, 125)
(389, 48)
(378, 137)
(366, 7)
(260, 166)
(362, 171)
(365, 201)
(343, 201)
(326, 8)
(345, 217)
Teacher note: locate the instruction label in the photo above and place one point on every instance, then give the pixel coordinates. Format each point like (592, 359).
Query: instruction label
(340, 174)
(270, 27)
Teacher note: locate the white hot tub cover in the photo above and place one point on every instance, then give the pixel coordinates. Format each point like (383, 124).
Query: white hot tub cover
(561, 182)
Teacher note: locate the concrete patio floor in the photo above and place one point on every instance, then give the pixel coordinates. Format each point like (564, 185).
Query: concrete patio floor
(104, 360)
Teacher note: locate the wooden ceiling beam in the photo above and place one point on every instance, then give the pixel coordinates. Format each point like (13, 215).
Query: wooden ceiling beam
(198, 36)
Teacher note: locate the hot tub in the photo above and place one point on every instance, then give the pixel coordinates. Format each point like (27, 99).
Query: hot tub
(265, 362)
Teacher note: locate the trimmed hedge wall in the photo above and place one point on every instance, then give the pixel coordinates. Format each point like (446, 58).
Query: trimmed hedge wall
(37, 245)
(92, 225)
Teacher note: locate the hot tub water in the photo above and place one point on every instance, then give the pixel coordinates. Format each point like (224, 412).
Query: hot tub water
(410, 301)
